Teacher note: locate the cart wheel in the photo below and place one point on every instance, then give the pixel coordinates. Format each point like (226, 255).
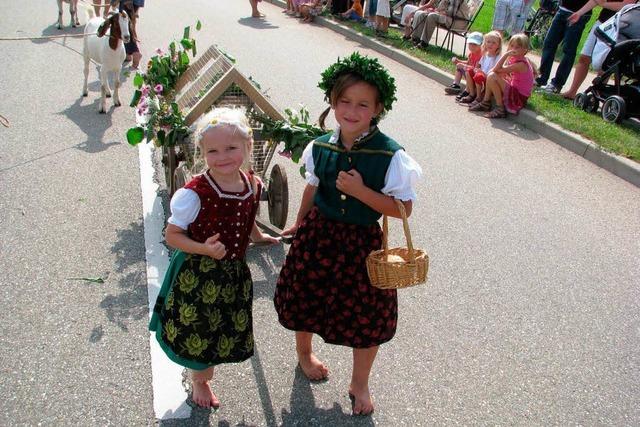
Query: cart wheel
(180, 177)
(278, 192)
(614, 109)
(591, 103)
(580, 101)
(170, 163)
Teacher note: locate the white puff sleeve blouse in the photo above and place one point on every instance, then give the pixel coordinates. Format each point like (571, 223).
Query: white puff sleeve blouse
(402, 175)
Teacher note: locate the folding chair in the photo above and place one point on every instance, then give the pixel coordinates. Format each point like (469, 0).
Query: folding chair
(460, 26)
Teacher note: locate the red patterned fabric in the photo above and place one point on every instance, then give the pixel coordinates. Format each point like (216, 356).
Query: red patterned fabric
(228, 213)
(324, 288)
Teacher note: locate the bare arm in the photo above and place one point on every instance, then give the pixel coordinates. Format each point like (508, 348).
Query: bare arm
(305, 206)
(611, 5)
(176, 237)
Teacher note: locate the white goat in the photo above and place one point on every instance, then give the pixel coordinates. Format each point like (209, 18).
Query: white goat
(107, 52)
(73, 10)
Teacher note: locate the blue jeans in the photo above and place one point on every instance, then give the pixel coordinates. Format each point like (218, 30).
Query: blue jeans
(561, 31)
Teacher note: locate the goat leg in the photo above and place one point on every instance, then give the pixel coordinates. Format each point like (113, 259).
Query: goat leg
(59, 14)
(104, 87)
(85, 92)
(116, 96)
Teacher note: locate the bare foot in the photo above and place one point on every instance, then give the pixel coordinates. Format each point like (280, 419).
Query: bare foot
(312, 367)
(258, 15)
(203, 395)
(361, 402)
(568, 95)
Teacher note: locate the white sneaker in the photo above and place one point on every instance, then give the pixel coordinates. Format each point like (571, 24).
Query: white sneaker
(550, 88)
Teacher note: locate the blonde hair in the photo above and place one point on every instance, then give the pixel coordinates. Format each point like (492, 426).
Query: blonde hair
(492, 35)
(519, 40)
(232, 120)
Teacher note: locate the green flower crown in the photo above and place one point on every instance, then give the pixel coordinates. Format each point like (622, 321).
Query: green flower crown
(369, 69)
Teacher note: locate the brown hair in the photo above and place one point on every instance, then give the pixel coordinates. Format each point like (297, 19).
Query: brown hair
(343, 83)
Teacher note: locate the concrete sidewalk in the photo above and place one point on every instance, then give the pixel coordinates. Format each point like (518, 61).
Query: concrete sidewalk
(620, 166)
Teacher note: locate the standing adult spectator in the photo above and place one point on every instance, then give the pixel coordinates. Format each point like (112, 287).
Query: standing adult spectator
(609, 8)
(561, 31)
(131, 7)
(510, 15)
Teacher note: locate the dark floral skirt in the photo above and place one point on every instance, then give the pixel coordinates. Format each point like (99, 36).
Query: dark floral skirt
(324, 288)
(202, 316)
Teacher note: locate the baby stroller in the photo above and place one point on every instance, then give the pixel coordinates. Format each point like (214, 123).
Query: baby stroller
(617, 54)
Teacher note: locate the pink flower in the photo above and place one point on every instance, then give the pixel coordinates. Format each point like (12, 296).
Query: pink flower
(158, 89)
(142, 109)
(145, 90)
(286, 154)
(159, 51)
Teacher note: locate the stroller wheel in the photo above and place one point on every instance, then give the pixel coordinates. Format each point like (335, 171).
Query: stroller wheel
(591, 103)
(614, 109)
(580, 101)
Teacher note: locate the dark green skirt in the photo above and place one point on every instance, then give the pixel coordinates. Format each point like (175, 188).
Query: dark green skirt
(202, 316)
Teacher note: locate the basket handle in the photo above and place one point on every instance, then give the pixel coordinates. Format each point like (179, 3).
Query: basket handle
(407, 232)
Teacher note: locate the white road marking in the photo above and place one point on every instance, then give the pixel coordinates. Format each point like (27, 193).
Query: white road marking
(169, 397)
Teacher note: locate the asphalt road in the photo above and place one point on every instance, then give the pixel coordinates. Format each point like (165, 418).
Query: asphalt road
(530, 315)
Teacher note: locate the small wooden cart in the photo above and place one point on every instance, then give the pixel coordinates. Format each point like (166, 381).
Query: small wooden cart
(213, 81)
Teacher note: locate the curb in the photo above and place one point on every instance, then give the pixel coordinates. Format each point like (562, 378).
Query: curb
(617, 165)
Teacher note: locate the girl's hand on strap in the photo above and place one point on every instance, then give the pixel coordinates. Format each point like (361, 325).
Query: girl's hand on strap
(214, 248)
(349, 182)
(291, 231)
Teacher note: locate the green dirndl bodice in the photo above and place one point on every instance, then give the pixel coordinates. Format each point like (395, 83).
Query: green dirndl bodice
(202, 316)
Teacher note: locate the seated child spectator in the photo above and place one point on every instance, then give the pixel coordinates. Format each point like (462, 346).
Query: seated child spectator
(310, 10)
(477, 77)
(355, 13)
(510, 82)
(474, 43)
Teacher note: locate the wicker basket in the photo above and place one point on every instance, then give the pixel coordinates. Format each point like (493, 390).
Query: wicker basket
(397, 267)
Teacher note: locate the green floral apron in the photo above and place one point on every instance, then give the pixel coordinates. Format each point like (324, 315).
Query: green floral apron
(202, 316)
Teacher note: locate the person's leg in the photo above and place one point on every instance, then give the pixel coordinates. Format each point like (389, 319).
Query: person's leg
(430, 26)
(97, 8)
(419, 21)
(202, 394)
(490, 86)
(312, 367)
(580, 73)
(499, 16)
(551, 41)
(255, 13)
(363, 359)
(497, 89)
(572, 36)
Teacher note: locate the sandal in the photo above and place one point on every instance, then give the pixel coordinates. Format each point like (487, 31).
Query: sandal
(497, 113)
(481, 106)
(467, 99)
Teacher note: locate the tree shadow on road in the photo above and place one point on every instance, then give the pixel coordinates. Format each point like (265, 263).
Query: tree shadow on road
(131, 303)
(269, 260)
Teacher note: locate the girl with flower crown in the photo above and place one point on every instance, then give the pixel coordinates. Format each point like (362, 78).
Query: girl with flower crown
(203, 316)
(353, 176)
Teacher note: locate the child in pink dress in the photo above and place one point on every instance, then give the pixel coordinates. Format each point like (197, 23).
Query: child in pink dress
(510, 82)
